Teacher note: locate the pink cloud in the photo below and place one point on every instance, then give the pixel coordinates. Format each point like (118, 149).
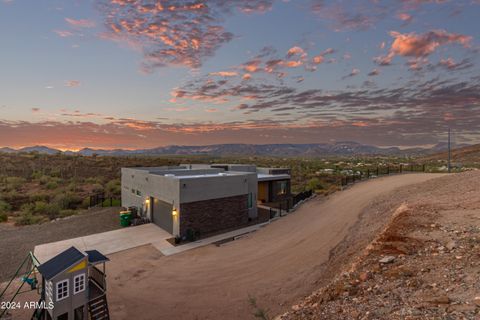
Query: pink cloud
(224, 73)
(72, 83)
(247, 76)
(81, 23)
(405, 17)
(420, 45)
(63, 33)
(174, 32)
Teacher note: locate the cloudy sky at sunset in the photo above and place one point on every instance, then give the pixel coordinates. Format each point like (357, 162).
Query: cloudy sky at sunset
(141, 74)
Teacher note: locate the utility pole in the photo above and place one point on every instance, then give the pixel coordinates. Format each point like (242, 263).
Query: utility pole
(449, 152)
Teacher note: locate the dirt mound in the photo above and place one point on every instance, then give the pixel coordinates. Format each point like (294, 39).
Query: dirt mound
(424, 265)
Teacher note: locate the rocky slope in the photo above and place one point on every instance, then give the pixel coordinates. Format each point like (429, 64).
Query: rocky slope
(424, 265)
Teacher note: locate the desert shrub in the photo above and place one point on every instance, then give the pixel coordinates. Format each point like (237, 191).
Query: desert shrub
(51, 210)
(93, 180)
(40, 196)
(85, 203)
(14, 198)
(72, 186)
(67, 213)
(315, 184)
(111, 203)
(51, 185)
(56, 172)
(27, 207)
(26, 218)
(15, 182)
(4, 207)
(97, 188)
(36, 175)
(43, 180)
(3, 217)
(113, 188)
(67, 200)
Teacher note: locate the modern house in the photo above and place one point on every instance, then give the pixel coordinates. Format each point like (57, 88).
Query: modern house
(73, 286)
(202, 198)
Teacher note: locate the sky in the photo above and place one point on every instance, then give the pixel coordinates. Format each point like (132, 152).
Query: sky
(141, 74)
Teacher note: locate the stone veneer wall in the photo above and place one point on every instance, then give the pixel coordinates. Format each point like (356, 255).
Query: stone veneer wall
(214, 215)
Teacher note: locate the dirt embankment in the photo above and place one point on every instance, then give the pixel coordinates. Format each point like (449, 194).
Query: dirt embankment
(424, 265)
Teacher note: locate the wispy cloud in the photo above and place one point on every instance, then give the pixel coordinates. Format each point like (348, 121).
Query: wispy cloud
(72, 83)
(63, 33)
(80, 23)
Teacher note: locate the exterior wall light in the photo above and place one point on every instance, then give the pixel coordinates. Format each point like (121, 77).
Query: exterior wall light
(174, 212)
(147, 201)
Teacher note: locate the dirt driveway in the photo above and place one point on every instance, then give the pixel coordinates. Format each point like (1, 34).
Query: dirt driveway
(276, 265)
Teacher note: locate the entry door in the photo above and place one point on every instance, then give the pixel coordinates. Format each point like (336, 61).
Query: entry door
(162, 215)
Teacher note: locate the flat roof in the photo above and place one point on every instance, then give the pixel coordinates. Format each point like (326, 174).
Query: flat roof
(209, 175)
(272, 177)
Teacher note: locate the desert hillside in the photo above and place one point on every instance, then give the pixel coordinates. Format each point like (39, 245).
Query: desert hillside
(424, 265)
(465, 155)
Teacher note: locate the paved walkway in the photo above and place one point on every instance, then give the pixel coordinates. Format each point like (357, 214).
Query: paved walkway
(168, 251)
(109, 242)
(128, 238)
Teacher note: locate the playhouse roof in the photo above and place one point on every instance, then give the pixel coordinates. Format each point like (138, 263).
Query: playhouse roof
(94, 257)
(60, 262)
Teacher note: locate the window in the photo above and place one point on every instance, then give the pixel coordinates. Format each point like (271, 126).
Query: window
(281, 187)
(79, 283)
(62, 290)
(139, 193)
(250, 200)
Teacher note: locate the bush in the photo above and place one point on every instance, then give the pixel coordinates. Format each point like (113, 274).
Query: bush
(51, 185)
(67, 213)
(4, 207)
(97, 188)
(113, 188)
(85, 203)
(36, 175)
(3, 217)
(27, 218)
(43, 180)
(315, 184)
(27, 207)
(39, 197)
(14, 182)
(51, 210)
(68, 200)
(111, 203)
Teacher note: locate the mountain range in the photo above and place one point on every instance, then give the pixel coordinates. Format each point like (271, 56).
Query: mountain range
(346, 148)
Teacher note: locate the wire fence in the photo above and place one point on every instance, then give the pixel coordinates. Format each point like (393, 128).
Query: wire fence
(100, 200)
(352, 176)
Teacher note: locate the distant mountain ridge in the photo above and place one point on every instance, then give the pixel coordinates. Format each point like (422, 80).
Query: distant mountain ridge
(346, 148)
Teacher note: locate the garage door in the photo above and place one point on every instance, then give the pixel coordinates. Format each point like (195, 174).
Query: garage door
(162, 215)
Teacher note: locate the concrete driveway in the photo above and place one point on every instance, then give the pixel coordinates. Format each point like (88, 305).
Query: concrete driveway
(108, 242)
